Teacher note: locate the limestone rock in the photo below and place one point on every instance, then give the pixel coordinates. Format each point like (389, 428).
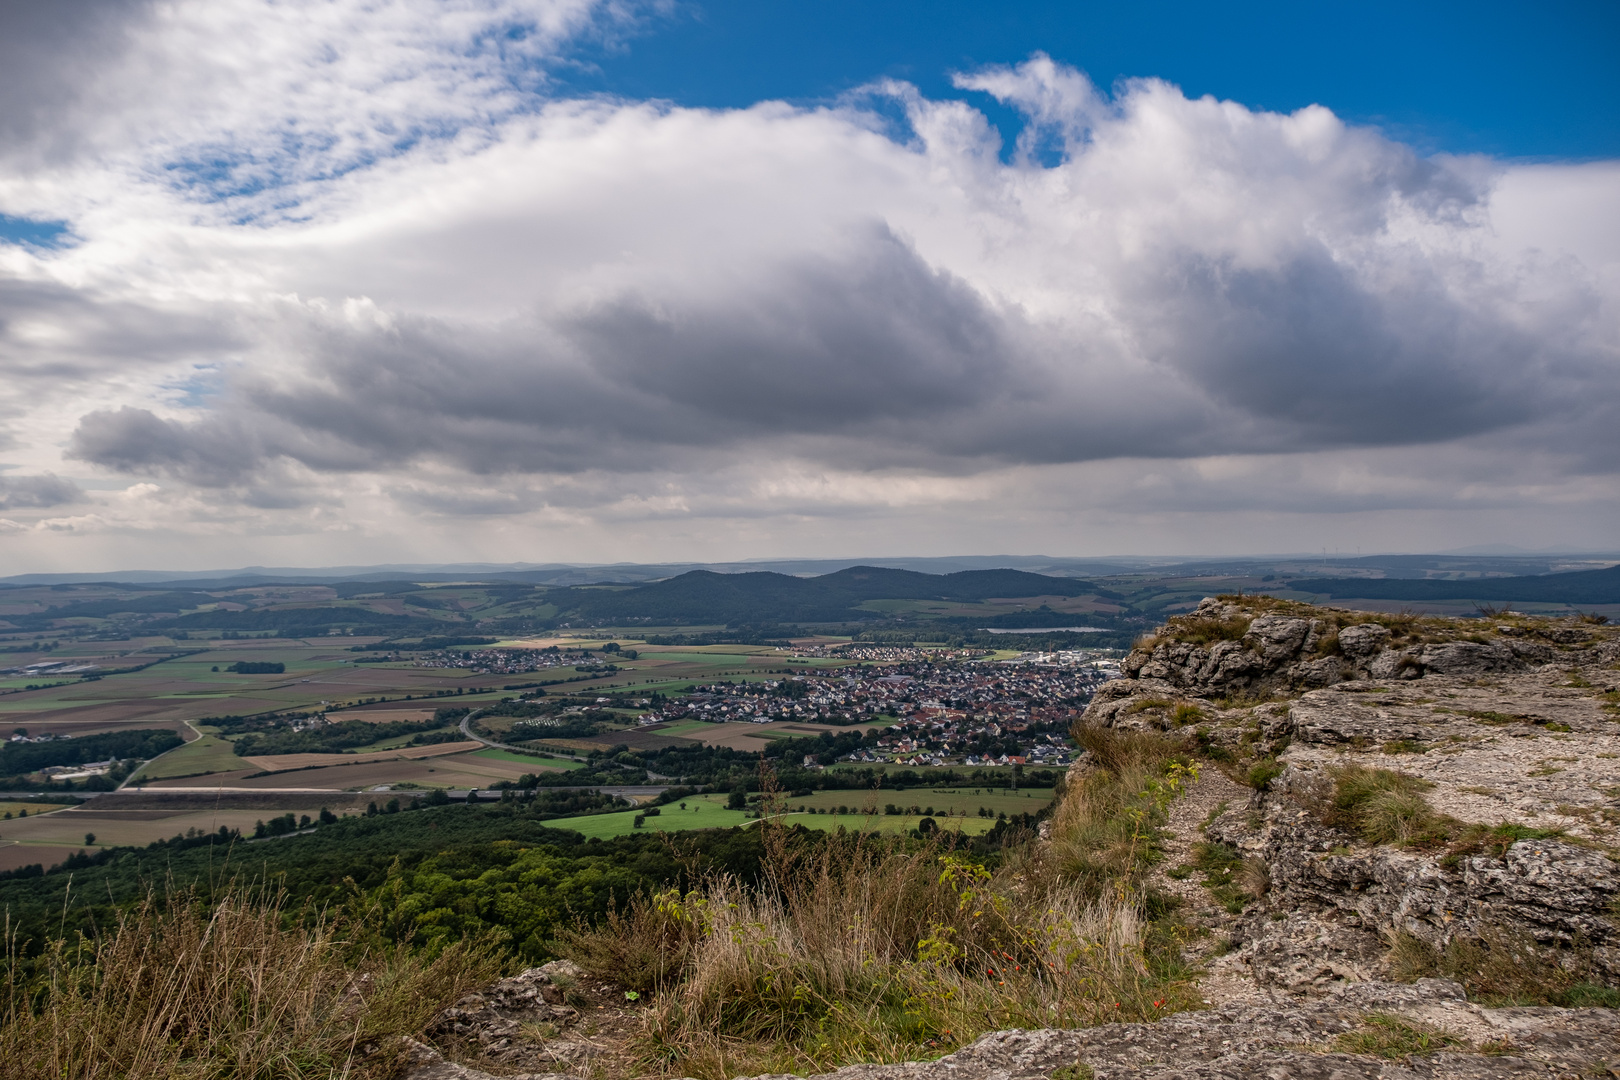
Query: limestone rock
(425, 1063)
(1294, 1042)
(500, 1019)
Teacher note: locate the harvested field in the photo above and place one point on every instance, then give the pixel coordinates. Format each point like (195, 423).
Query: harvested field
(372, 715)
(748, 738)
(49, 838)
(284, 762)
(93, 720)
(14, 856)
(635, 740)
(454, 771)
(549, 763)
(173, 802)
(13, 807)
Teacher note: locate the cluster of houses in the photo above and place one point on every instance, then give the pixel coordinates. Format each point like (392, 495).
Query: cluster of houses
(505, 661)
(962, 713)
(884, 654)
(79, 772)
(49, 668)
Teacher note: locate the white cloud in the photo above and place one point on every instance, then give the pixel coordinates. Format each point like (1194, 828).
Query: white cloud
(572, 317)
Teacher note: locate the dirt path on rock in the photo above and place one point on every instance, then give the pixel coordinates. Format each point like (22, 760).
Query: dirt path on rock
(1226, 980)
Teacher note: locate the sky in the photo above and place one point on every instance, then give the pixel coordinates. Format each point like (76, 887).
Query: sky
(316, 282)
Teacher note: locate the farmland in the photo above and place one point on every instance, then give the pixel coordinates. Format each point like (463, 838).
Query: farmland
(324, 692)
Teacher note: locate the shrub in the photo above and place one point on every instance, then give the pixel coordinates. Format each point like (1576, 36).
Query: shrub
(887, 959)
(863, 948)
(1262, 773)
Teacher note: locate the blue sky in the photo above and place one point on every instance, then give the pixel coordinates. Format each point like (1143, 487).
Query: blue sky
(1516, 80)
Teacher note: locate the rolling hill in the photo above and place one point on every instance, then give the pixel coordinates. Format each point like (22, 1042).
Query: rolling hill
(1576, 587)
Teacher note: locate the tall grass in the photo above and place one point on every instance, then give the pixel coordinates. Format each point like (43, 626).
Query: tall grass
(1105, 828)
(1498, 966)
(883, 949)
(233, 989)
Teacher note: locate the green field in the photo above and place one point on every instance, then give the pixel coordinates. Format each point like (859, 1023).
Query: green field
(14, 808)
(709, 812)
(207, 754)
(955, 801)
(702, 812)
(682, 727)
(970, 826)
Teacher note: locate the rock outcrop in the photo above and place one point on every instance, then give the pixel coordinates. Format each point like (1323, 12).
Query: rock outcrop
(1225, 647)
(1509, 733)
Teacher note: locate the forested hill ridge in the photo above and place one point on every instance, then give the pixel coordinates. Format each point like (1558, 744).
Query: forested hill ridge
(702, 596)
(1576, 587)
(861, 596)
(764, 606)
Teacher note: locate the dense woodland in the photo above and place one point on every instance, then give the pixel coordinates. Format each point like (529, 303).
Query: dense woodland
(444, 870)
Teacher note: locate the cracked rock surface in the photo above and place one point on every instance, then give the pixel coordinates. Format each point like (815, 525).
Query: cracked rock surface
(1297, 1042)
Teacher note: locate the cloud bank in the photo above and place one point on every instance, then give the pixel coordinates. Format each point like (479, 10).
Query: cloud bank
(372, 272)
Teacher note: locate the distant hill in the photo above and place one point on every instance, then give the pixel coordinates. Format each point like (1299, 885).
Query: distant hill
(703, 596)
(1577, 587)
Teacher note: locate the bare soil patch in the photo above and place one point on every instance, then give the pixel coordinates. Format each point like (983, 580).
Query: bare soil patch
(374, 715)
(14, 856)
(172, 802)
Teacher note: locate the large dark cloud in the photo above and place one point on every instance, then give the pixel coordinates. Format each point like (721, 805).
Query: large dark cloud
(51, 53)
(37, 492)
(875, 360)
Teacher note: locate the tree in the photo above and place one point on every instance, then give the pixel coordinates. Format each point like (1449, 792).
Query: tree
(89, 839)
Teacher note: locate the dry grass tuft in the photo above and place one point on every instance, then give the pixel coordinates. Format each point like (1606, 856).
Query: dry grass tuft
(1394, 1037)
(1386, 807)
(231, 990)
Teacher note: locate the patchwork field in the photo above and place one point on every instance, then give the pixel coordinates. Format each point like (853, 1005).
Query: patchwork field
(137, 819)
(181, 685)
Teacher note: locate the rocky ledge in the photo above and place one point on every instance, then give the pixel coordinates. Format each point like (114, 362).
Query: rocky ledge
(1361, 1031)
(1425, 1030)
